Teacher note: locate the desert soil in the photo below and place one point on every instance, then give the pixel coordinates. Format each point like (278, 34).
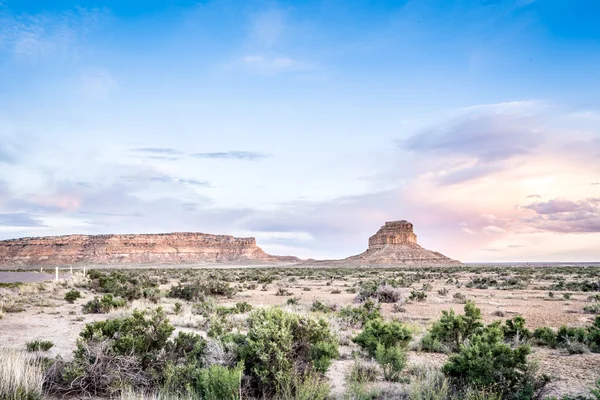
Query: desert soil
(47, 316)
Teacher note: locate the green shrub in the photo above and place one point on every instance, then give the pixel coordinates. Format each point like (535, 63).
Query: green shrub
(103, 305)
(292, 301)
(213, 383)
(358, 316)
(321, 354)
(39, 345)
(566, 335)
(129, 285)
(388, 334)
(592, 309)
(189, 292)
(451, 330)
(545, 336)
(72, 295)
(144, 334)
(593, 336)
(488, 363)
(279, 343)
(515, 328)
(220, 383)
(319, 306)
(392, 361)
(416, 295)
(429, 384)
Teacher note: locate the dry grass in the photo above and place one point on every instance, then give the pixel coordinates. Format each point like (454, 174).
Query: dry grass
(21, 375)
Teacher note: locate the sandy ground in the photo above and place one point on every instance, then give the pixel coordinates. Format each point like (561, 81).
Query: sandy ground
(48, 316)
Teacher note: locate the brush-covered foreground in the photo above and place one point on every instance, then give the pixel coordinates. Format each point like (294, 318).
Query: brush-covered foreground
(305, 333)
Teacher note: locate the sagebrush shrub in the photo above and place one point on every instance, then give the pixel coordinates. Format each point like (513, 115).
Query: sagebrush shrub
(392, 361)
(453, 330)
(487, 362)
(279, 344)
(388, 334)
(103, 305)
(39, 345)
(516, 328)
(143, 334)
(358, 316)
(72, 295)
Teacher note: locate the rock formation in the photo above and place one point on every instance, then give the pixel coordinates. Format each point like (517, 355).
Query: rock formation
(395, 243)
(167, 248)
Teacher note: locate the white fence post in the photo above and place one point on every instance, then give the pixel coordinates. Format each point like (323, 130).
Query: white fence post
(41, 270)
(71, 270)
(56, 276)
(84, 270)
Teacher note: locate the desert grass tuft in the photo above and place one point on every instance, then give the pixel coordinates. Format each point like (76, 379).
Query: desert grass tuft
(21, 375)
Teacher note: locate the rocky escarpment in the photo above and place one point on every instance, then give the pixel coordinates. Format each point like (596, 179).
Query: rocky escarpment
(167, 248)
(395, 244)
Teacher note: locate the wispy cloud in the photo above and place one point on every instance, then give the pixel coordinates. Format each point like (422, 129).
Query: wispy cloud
(566, 216)
(160, 151)
(20, 220)
(488, 136)
(233, 155)
(38, 35)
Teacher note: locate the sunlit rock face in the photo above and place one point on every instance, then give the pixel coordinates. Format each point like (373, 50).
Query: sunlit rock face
(167, 248)
(395, 243)
(395, 232)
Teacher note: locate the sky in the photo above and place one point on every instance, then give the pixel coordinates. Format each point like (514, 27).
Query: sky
(306, 124)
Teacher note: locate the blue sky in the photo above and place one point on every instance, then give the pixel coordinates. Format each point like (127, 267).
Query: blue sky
(306, 123)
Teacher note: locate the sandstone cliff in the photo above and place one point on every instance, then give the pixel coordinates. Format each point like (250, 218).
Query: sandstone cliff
(394, 244)
(167, 248)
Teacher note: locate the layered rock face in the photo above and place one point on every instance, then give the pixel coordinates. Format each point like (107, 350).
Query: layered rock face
(168, 248)
(395, 244)
(395, 232)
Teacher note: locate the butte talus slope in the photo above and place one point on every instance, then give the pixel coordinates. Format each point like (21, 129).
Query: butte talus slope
(167, 248)
(395, 244)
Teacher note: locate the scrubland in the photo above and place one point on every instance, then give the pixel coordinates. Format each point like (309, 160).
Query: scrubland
(304, 333)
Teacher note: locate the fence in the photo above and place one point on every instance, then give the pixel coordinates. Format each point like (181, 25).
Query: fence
(56, 269)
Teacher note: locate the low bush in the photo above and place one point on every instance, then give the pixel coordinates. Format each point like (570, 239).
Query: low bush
(358, 316)
(592, 309)
(72, 295)
(392, 361)
(451, 330)
(488, 363)
(416, 295)
(377, 332)
(319, 306)
(103, 305)
(515, 329)
(280, 344)
(459, 298)
(213, 383)
(39, 345)
(292, 301)
(544, 336)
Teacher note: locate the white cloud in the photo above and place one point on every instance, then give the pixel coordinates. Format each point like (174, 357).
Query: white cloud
(491, 229)
(38, 35)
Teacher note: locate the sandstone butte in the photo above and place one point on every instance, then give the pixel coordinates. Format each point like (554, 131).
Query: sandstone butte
(395, 243)
(166, 248)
